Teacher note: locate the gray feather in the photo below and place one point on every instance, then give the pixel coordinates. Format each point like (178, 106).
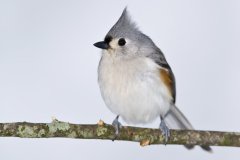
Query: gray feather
(176, 120)
(124, 27)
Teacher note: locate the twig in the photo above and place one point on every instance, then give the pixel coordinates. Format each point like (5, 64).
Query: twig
(146, 136)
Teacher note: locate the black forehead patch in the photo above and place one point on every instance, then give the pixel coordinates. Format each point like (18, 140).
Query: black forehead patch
(108, 39)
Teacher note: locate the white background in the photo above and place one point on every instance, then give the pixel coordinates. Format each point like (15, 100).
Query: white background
(48, 67)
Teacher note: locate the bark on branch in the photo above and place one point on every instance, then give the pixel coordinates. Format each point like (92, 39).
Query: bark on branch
(146, 136)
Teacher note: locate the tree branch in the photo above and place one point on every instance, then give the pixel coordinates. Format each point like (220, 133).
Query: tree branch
(146, 136)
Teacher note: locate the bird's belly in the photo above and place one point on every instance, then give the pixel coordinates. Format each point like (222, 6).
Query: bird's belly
(134, 106)
(138, 97)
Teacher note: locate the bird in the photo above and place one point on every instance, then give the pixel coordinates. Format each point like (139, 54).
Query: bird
(135, 80)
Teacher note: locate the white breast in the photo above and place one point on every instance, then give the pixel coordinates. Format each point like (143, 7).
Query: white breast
(132, 88)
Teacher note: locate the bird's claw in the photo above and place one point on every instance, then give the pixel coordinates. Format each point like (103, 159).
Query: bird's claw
(165, 130)
(117, 126)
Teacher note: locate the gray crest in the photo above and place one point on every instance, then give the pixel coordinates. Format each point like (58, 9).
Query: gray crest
(124, 27)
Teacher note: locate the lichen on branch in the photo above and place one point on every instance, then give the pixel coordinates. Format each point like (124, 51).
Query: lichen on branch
(145, 136)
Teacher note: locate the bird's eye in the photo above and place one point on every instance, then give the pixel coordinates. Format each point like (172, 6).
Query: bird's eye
(121, 42)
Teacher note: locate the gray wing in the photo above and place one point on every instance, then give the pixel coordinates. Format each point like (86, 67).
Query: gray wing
(160, 59)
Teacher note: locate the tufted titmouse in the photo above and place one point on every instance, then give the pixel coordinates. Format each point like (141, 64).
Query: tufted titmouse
(135, 80)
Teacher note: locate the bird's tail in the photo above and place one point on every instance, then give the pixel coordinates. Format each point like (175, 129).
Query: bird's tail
(176, 120)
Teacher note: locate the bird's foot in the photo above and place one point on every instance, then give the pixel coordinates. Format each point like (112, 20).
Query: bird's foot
(117, 125)
(165, 130)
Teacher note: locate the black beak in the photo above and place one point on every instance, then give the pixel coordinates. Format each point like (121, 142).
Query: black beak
(102, 45)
